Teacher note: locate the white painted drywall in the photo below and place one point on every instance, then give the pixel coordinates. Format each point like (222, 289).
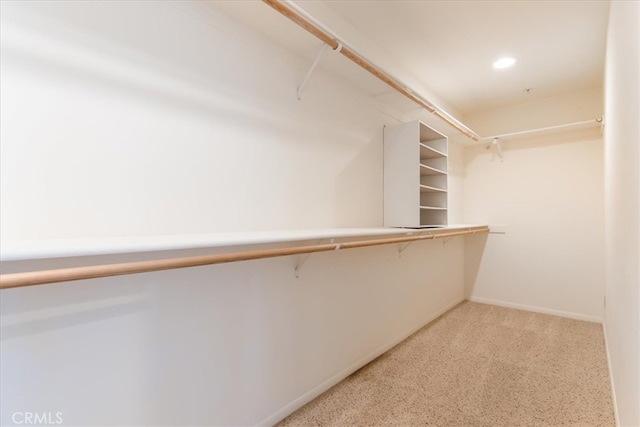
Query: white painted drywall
(545, 204)
(622, 184)
(145, 118)
(182, 124)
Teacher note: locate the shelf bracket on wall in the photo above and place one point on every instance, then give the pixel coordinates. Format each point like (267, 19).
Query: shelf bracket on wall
(304, 259)
(401, 248)
(323, 49)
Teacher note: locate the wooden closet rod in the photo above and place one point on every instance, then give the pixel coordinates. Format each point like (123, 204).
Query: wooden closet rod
(335, 44)
(16, 280)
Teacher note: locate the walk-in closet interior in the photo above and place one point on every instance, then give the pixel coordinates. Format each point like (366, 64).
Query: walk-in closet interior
(237, 213)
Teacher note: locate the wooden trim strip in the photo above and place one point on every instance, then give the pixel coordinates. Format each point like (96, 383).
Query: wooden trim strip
(329, 39)
(17, 280)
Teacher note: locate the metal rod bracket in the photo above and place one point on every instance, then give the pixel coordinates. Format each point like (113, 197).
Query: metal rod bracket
(323, 49)
(304, 259)
(401, 248)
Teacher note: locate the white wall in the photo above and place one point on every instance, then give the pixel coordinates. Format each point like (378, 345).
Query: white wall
(175, 127)
(545, 201)
(134, 118)
(622, 175)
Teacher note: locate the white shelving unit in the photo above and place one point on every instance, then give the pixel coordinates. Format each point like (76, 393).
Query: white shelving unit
(415, 176)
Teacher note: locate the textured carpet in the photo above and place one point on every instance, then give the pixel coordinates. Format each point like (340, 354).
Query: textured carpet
(477, 365)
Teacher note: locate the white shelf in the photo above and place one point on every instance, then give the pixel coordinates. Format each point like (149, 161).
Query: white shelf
(415, 158)
(23, 250)
(429, 189)
(61, 248)
(428, 170)
(427, 152)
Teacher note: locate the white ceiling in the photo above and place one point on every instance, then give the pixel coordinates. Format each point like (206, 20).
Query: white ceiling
(449, 46)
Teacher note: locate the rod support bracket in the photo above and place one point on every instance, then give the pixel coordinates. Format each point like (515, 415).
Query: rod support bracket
(401, 248)
(306, 78)
(304, 259)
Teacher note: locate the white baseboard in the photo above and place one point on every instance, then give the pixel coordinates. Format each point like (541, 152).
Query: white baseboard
(613, 388)
(567, 314)
(330, 382)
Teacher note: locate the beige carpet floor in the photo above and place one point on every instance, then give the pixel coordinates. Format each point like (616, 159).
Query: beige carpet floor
(477, 365)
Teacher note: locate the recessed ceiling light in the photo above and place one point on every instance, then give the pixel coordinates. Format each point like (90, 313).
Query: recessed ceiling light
(505, 62)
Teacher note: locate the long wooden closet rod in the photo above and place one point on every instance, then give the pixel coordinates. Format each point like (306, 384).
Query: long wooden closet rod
(335, 44)
(16, 280)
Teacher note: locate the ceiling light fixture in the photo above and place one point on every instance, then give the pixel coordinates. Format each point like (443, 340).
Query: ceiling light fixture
(504, 62)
